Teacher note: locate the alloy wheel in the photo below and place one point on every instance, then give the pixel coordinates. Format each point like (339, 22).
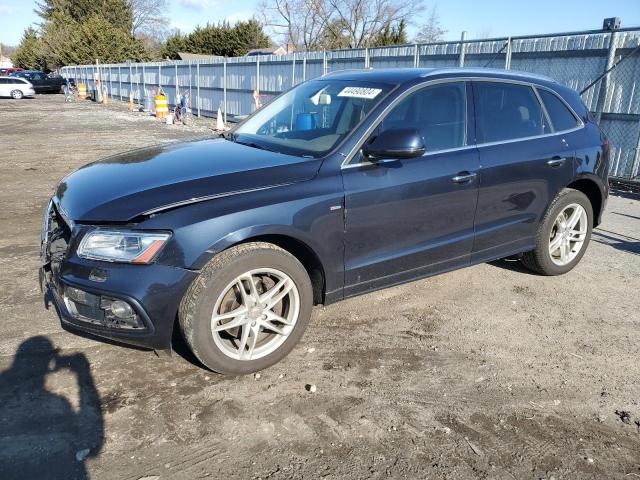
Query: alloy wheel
(255, 313)
(568, 234)
(16, 94)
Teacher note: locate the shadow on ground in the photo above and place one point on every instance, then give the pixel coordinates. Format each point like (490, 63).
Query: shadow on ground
(45, 434)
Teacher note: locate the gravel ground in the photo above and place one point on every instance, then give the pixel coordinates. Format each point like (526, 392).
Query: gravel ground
(486, 372)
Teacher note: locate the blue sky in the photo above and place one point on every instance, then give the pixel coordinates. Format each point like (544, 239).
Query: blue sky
(479, 18)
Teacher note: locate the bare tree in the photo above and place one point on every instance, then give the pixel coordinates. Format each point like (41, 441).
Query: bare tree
(295, 21)
(432, 30)
(363, 20)
(316, 24)
(148, 17)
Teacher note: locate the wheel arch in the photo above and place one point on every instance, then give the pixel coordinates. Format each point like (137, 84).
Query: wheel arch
(305, 255)
(302, 250)
(593, 191)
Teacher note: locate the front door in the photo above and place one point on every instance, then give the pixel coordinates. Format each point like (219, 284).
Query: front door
(408, 218)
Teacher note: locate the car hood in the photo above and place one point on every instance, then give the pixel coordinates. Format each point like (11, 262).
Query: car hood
(125, 186)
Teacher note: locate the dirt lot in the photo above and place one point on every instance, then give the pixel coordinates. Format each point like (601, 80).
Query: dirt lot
(487, 372)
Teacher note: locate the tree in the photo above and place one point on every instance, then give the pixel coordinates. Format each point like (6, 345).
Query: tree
(431, 31)
(118, 13)
(29, 53)
(81, 31)
(7, 50)
(148, 18)
(174, 44)
(221, 39)
(298, 23)
(313, 24)
(392, 35)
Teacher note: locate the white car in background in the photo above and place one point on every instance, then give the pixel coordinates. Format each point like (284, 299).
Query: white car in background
(16, 87)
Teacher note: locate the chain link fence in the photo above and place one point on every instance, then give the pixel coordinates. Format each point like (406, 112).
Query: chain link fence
(238, 85)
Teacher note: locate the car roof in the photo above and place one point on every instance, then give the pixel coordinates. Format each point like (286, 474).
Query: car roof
(398, 76)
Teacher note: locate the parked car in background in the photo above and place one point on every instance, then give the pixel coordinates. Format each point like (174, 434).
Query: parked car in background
(42, 82)
(16, 87)
(5, 72)
(346, 184)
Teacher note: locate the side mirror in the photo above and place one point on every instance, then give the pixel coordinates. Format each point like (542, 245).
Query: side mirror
(395, 143)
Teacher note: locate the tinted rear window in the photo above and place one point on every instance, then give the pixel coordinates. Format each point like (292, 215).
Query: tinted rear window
(506, 111)
(561, 116)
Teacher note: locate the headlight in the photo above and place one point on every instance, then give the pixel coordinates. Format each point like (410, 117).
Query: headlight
(122, 246)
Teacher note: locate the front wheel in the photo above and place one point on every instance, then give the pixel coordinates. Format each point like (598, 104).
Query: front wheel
(17, 94)
(563, 235)
(247, 309)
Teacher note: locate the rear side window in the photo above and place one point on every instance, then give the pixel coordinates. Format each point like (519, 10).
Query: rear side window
(507, 111)
(561, 117)
(437, 111)
(4, 81)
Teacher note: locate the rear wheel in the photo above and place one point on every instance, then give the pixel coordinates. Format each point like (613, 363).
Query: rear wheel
(17, 94)
(563, 234)
(247, 309)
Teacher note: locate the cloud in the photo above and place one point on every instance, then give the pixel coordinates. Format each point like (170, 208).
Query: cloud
(239, 17)
(5, 10)
(196, 4)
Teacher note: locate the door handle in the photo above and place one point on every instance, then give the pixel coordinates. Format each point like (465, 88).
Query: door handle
(556, 161)
(464, 177)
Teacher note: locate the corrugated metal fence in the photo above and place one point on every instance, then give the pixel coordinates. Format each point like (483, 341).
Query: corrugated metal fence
(572, 58)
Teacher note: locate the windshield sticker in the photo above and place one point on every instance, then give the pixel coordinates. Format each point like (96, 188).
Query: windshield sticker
(360, 92)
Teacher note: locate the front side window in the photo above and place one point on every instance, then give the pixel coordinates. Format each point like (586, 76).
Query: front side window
(561, 117)
(311, 119)
(438, 111)
(507, 111)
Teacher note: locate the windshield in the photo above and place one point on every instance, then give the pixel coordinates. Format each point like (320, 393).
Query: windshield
(311, 119)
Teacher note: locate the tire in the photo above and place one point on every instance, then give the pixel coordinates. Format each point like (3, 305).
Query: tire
(217, 288)
(541, 259)
(17, 94)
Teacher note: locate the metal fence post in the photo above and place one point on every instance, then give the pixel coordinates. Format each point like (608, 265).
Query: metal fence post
(293, 71)
(366, 57)
(159, 77)
(507, 58)
(258, 75)
(463, 37)
(604, 83)
(120, 80)
(416, 56)
(177, 99)
(324, 62)
(198, 87)
(224, 88)
(144, 87)
(636, 161)
(304, 68)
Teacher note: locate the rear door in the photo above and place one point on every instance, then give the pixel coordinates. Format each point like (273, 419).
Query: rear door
(406, 218)
(524, 165)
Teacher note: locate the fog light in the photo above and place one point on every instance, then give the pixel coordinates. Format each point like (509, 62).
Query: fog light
(121, 309)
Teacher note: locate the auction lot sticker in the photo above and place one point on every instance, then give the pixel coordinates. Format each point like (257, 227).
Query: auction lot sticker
(360, 92)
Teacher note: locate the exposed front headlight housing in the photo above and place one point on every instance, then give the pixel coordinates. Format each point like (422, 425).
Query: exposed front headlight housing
(122, 245)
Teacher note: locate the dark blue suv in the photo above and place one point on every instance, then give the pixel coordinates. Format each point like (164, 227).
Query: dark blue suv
(345, 184)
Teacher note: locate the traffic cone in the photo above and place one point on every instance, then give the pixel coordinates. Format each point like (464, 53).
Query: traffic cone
(219, 121)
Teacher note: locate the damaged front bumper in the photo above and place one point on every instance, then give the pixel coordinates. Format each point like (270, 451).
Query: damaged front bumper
(84, 295)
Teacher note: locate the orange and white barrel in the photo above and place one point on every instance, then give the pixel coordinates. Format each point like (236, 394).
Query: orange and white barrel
(162, 106)
(82, 91)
